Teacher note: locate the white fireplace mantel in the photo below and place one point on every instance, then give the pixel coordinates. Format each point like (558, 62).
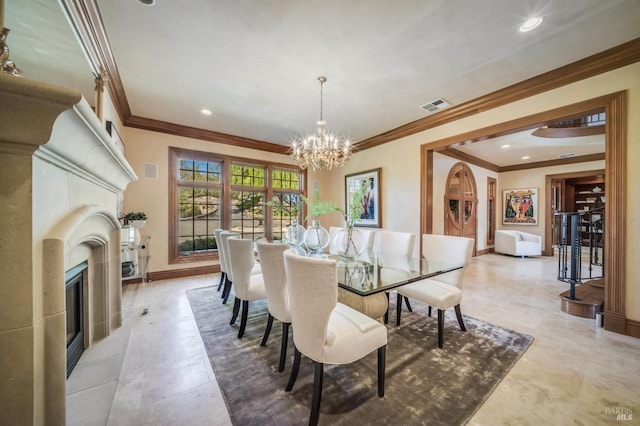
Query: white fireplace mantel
(61, 177)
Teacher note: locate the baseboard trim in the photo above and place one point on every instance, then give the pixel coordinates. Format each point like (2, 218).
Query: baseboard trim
(484, 251)
(633, 328)
(180, 273)
(615, 322)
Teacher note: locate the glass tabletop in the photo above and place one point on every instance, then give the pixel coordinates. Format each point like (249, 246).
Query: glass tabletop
(376, 271)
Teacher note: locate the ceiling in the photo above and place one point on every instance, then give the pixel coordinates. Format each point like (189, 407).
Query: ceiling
(255, 64)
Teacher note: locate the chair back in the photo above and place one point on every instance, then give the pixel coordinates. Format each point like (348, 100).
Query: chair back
(448, 249)
(224, 236)
(272, 262)
(395, 242)
(223, 266)
(333, 234)
(241, 257)
(313, 292)
(369, 237)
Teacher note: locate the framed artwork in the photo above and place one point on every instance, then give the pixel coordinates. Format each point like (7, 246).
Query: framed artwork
(371, 215)
(520, 206)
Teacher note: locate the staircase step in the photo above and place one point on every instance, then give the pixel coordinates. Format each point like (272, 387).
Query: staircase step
(598, 282)
(589, 300)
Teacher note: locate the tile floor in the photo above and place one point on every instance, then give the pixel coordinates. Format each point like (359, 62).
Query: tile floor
(154, 370)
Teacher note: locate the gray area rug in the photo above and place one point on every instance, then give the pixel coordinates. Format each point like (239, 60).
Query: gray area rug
(424, 384)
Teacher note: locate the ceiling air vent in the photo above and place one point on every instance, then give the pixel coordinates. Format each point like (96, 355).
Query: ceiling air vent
(435, 106)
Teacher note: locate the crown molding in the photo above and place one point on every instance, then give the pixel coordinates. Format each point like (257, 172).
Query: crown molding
(616, 57)
(471, 159)
(206, 135)
(86, 21)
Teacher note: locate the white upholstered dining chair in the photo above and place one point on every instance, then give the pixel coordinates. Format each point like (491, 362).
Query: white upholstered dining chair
(226, 290)
(255, 268)
(324, 330)
(272, 261)
(246, 286)
(400, 243)
(223, 266)
(442, 291)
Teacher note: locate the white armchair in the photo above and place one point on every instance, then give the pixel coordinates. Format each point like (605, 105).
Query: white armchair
(517, 243)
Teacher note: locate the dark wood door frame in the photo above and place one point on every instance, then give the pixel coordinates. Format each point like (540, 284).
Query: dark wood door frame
(615, 106)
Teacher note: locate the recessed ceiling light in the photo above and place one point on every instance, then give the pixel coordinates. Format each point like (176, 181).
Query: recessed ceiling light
(205, 112)
(147, 2)
(506, 146)
(526, 157)
(530, 24)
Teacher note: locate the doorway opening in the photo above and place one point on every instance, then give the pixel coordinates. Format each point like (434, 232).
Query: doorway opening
(615, 108)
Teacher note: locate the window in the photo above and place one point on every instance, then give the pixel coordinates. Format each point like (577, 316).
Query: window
(210, 191)
(199, 190)
(286, 185)
(248, 193)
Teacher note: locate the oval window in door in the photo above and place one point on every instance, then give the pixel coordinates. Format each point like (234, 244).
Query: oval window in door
(461, 202)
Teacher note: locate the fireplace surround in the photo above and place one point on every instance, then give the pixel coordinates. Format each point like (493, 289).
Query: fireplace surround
(61, 177)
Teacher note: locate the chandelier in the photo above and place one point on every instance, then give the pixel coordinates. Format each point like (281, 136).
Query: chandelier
(322, 150)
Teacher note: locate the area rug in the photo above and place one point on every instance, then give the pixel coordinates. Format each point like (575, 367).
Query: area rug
(424, 384)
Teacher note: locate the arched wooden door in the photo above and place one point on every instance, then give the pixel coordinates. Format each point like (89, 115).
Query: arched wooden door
(461, 203)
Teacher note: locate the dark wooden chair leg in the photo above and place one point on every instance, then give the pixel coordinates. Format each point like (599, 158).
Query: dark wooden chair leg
(294, 370)
(382, 356)
(222, 276)
(429, 311)
(460, 320)
(386, 314)
(236, 309)
(398, 309)
(317, 393)
(440, 327)
(267, 331)
(243, 318)
(283, 348)
(406, 300)
(227, 290)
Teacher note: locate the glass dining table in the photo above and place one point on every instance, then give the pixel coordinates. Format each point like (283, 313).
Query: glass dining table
(365, 281)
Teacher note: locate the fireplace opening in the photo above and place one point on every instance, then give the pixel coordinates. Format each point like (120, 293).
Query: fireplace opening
(74, 283)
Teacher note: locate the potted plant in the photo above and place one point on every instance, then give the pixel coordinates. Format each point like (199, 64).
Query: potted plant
(135, 219)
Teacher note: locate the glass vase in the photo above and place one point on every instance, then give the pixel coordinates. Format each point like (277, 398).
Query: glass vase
(316, 238)
(350, 241)
(294, 236)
